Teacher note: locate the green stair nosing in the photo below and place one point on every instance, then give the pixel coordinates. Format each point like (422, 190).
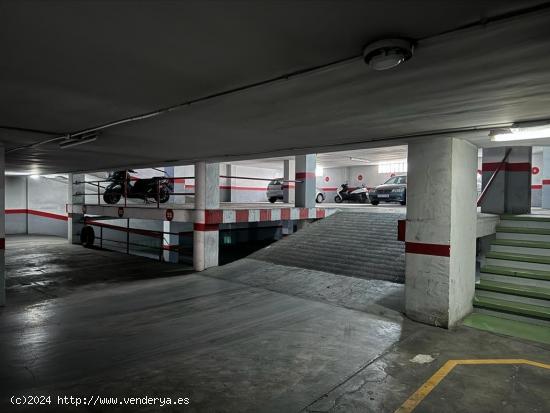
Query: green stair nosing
(521, 230)
(516, 272)
(509, 256)
(513, 307)
(514, 289)
(536, 218)
(513, 328)
(521, 243)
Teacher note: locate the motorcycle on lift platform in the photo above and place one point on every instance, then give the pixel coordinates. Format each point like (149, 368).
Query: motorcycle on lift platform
(156, 189)
(345, 193)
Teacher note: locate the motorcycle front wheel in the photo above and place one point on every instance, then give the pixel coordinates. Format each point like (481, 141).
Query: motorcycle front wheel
(111, 197)
(364, 198)
(338, 199)
(164, 195)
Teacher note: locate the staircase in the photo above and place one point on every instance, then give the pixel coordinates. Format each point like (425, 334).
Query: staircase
(356, 244)
(515, 280)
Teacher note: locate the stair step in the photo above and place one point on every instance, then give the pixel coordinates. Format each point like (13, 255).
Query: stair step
(521, 230)
(515, 289)
(513, 328)
(522, 309)
(516, 272)
(522, 243)
(525, 221)
(535, 218)
(519, 257)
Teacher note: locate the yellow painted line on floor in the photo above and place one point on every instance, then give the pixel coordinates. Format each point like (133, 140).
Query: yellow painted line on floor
(419, 395)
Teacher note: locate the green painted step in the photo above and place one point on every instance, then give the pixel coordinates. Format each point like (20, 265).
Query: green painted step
(538, 259)
(513, 307)
(535, 218)
(521, 243)
(520, 230)
(516, 272)
(515, 289)
(533, 332)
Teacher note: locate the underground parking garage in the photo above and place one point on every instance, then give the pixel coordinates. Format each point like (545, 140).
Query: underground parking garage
(275, 207)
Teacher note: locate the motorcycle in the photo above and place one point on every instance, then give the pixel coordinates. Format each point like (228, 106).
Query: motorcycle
(344, 193)
(157, 189)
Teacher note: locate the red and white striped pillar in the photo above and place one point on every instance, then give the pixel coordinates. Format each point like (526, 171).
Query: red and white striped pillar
(305, 173)
(510, 191)
(2, 229)
(440, 240)
(75, 196)
(205, 233)
(545, 201)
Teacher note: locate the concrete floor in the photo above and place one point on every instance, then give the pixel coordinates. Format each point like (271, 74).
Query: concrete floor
(247, 337)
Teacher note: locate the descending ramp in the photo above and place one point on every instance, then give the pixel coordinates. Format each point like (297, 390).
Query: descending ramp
(358, 244)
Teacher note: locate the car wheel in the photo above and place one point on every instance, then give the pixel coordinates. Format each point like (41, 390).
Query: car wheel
(320, 198)
(272, 200)
(375, 202)
(403, 202)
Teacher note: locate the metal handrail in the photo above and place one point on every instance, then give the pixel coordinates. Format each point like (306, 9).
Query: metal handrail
(493, 176)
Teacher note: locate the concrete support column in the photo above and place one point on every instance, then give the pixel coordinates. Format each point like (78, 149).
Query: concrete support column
(76, 188)
(441, 230)
(545, 201)
(2, 229)
(226, 184)
(510, 191)
(289, 187)
(305, 172)
(207, 198)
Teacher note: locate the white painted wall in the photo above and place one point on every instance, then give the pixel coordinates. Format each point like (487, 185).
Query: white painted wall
(536, 179)
(16, 199)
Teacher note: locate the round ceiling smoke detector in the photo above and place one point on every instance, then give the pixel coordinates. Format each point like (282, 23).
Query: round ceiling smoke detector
(388, 53)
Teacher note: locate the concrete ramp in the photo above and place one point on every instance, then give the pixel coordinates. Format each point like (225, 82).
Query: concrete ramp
(357, 244)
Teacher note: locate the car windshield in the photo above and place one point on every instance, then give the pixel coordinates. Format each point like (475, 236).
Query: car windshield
(396, 180)
(275, 182)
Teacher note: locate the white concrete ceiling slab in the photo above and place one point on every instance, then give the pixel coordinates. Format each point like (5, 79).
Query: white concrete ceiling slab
(69, 66)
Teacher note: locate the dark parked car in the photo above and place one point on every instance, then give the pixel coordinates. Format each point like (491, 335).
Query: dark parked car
(393, 190)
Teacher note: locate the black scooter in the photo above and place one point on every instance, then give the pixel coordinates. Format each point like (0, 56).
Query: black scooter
(156, 189)
(345, 193)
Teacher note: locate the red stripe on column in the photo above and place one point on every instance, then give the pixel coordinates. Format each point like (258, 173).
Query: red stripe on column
(320, 213)
(546, 181)
(285, 213)
(241, 215)
(265, 215)
(205, 227)
(305, 175)
(428, 249)
(536, 186)
(513, 167)
(213, 216)
(304, 213)
(2, 243)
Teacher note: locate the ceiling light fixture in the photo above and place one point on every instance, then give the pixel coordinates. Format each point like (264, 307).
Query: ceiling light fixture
(388, 53)
(520, 133)
(79, 140)
(359, 159)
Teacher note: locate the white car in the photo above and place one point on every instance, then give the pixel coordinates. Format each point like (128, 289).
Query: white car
(275, 191)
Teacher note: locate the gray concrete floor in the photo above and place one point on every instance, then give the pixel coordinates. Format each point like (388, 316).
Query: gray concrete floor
(247, 337)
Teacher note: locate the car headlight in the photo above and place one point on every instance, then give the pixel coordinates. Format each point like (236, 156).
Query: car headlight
(399, 190)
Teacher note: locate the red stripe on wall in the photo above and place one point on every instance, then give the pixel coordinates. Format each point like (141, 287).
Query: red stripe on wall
(244, 188)
(536, 186)
(319, 213)
(513, 167)
(265, 215)
(37, 213)
(241, 215)
(213, 216)
(305, 175)
(546, 181)
(428, 249)
(205, 227)
(304, 213)
(285, 213)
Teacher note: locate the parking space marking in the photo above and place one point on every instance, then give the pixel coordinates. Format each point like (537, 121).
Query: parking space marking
(410, 404)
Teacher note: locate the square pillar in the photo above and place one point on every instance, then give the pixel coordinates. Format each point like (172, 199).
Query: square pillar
(2, 228)
(545, 200)
(226, 184)
(510, 191)
(171, 240)
(441, 230)
(305, 172)
(76, 188)
(205, 232)
(289, 173)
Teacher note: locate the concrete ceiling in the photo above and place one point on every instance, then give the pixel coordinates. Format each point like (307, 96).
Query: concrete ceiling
(69, 66)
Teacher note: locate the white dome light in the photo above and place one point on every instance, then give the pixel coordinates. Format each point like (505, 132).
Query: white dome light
(386, 54)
